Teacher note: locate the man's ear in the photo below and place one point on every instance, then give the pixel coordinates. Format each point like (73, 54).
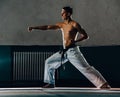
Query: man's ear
(69, 14)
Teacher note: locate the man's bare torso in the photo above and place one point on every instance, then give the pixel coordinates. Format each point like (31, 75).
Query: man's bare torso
(69, 33)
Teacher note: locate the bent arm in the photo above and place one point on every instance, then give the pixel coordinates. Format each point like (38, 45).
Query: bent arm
(83, 34)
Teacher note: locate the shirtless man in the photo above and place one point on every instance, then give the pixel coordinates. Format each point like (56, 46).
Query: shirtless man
(72, 53)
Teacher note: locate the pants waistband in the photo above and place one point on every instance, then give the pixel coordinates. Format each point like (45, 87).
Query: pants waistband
(68, 47)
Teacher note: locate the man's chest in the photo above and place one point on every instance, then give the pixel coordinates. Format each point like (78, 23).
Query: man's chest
(68, 29)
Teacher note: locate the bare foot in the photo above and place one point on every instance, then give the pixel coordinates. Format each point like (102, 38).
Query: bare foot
(105, 86)
(49, 86)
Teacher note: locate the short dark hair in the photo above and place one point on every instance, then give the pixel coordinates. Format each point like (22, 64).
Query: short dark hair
(68, 9)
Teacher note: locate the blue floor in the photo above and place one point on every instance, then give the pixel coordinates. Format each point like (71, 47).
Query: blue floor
(58, 92)
(65, 95)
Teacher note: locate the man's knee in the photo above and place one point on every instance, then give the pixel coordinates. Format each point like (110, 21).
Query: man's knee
(89, 68)
(47, 61)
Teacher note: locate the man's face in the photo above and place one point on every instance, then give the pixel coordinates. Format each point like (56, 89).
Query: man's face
(64, 14)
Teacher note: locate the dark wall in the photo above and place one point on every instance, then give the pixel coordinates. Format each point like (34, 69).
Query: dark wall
(103, 58)
(5, 63)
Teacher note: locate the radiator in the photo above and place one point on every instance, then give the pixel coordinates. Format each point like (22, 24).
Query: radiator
(29, 66)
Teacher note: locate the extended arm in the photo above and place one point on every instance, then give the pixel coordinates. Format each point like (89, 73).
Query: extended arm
(45, 27)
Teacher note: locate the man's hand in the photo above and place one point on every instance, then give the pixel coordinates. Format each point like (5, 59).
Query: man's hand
(30, 29)
(73, 41)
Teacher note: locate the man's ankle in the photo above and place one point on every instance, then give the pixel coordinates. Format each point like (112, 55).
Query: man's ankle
(105, 86)
(49, 86)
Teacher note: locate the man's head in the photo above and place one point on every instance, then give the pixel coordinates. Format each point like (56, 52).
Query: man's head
(66, 12)
(68, 9)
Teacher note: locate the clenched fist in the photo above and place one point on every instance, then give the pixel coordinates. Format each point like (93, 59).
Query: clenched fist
(30, 29)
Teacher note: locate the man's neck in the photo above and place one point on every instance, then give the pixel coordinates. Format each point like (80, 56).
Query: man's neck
(67, 21)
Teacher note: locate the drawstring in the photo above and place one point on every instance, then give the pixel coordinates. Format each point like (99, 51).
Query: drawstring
(62, 52)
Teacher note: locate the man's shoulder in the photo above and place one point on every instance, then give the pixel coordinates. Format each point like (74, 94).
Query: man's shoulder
(75, 23)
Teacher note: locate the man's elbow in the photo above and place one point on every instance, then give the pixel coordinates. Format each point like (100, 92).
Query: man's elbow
(86, 36)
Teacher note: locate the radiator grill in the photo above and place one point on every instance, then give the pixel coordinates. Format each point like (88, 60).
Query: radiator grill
(29, 65)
